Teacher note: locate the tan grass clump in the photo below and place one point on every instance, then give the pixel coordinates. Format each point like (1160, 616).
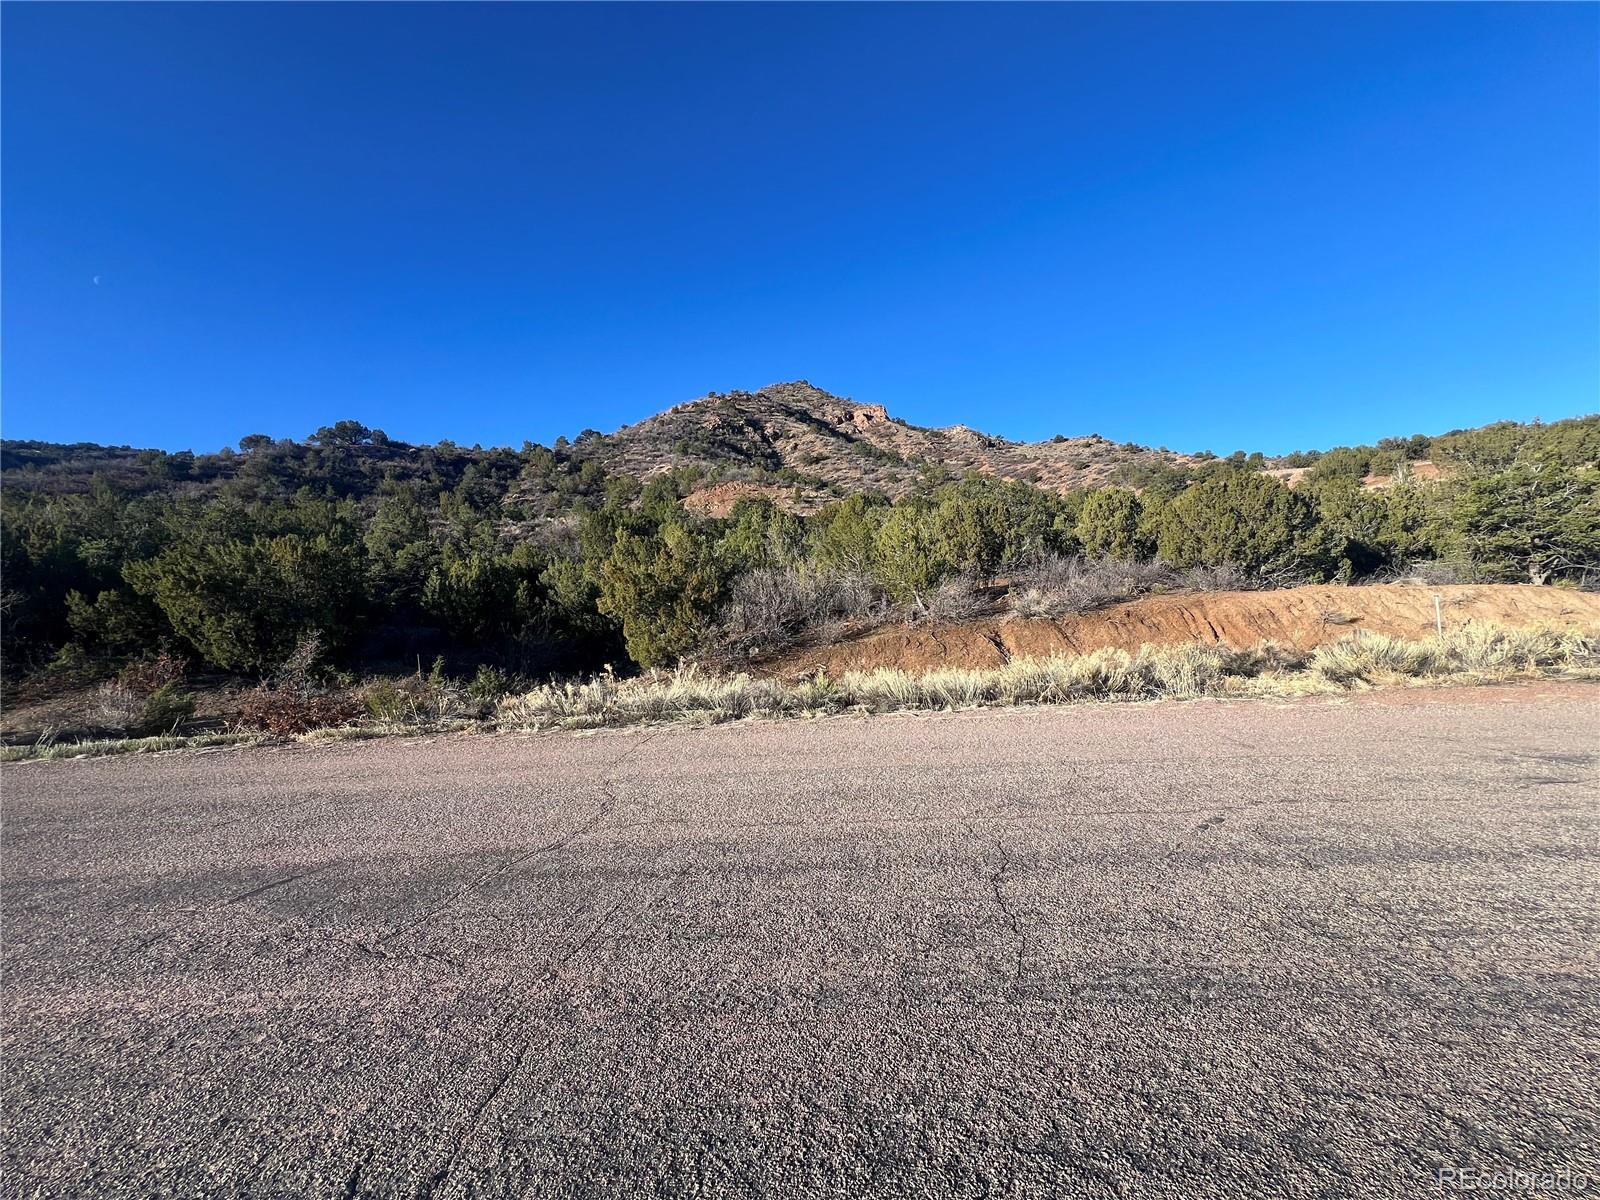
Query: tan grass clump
(1175, 672)
(1367, 657)
(686, 693)
(99, 747)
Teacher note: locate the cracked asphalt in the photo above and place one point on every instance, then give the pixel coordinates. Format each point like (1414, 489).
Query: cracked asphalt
(1212, 949)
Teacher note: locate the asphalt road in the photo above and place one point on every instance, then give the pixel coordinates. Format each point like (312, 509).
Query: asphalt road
(1317, 948)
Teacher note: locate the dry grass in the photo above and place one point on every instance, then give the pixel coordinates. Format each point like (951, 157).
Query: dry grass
(48, 749)
(1182, 672)
(1059, 587)
(692, 694)
(959, 598)
(1374, 658)
(687, 693)
(771, 608)
(283, 711)
(146, 697)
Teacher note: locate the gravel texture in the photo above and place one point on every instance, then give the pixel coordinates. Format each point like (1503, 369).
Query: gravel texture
(1187, 950)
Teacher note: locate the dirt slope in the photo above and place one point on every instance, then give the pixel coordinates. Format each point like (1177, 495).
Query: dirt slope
(1302, 617)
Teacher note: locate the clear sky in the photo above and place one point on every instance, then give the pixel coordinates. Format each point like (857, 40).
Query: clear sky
(1193, 226)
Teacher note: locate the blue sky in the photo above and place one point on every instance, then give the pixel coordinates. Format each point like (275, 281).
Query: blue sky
(1202, 227)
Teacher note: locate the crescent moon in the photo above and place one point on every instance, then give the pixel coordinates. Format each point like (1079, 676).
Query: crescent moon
(97, 281)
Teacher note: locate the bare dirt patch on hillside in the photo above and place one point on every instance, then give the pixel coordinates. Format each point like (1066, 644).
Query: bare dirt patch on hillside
(1302, 617)
(718, 499)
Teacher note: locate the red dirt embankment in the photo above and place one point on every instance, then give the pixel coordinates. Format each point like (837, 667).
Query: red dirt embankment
(1302, 617)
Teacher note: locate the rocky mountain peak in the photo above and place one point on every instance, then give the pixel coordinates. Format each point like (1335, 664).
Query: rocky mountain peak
(799, 436)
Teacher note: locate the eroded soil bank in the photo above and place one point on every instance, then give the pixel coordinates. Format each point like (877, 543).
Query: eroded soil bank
(1302, 617)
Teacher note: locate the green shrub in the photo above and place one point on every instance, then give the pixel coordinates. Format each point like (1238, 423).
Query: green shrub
(477, 598)
(417, 701)
(504, 552)
(384, 701)
(243, 604)
(400, 550)
(489, 684)
(760, 534)
(71, 663)
(663, 589)
(1536, 521)
(1245, 520)
(117, 621)
(1109, 525)
(982, 525)
(165, 708)
(844, 535)
(905, 557)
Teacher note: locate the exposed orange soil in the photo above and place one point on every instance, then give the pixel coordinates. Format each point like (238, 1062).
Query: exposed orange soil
(718, 499)
(1301, 617)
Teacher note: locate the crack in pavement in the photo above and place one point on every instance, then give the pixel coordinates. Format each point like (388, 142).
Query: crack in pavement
(1014, 1000)
(605, 809)
(997, 882)
(352, 1184)
(484, 878)
(1003, 813)
(476, 1118)
(267, 887)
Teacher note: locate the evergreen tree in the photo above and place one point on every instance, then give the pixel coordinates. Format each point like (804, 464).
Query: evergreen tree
(1537, 520)
(664, 589)
(1246, 520)
(1110, 525)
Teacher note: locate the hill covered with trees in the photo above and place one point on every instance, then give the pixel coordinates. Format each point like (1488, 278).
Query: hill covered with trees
(566, 557)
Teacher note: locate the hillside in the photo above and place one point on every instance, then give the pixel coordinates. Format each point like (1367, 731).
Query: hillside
(782, 438)
(838, 445)
(355, 550)
(792, 442)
